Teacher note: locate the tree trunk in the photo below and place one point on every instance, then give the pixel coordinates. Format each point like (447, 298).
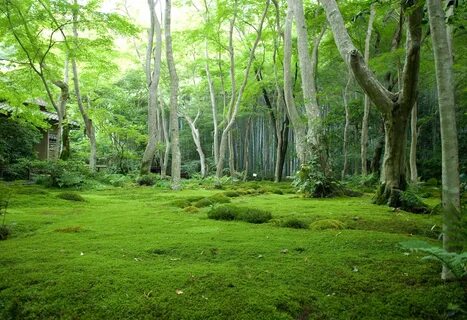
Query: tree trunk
(174, 132)
(297, 122)
(212, 95)
(246, 146)
(413, 145)
(64, 151)
(197, 141)
(452, 218)
(236, 100)
(165, 131)
(231, 154)
(395, 107)
(87, 121)
(153, 52)
(346, 127)
(366, 107)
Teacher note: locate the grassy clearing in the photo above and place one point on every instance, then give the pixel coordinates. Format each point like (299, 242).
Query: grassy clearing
(132, 254)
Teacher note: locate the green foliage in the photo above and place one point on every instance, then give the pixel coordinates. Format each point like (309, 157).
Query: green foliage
(71, 196)
(232, 194)
(313, 182)
(411, 202)
(455, 262)
(61, 174)
(191, 209)
(205, 202)
(432, 182)
(5, 196)
(146, 180)
(229, 213)
(294, 223)
(114, 179)
(325, 224)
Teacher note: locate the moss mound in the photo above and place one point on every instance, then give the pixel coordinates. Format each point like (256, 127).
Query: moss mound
(294, 223)
(70, 196)
(325, 224)
(229, 213)
(191, 209)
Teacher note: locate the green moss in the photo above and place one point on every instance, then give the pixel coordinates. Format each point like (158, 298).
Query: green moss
(205, 202)
(71, 196)
(73, 229)
(191, 209)
(180, 203)
(327, 224)
(232, 194)
(295, 224)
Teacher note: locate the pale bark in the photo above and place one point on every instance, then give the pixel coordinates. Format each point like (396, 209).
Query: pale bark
(452, 218)
(197, 141)
(90, 132)
(413, 145)
(308, 67)
(152, 70)
(237, 96)
(212, 95)
(231, 154)
(165, 131)
(174, 131)
(366, 106)
(298, 124)
(346, 127)
(395, 107)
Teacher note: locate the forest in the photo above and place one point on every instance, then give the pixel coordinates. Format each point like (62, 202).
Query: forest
(233, 159)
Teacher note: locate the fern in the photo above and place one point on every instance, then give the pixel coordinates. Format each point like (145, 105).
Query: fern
(455, 262)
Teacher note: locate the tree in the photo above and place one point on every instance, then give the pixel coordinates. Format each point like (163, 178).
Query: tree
(174, 132)
(450, 160)
(395, 107)
(152, 70)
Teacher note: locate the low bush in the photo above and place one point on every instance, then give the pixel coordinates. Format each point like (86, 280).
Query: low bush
(4, 232)
(229, 213)
(327, 224)
(253, 215)
(219, 198)
(191, 209)
(71, 196)
(225, 212)
(432, 182)
(146, 180)
(181, 203)
(294, 223)
(409, 201)
(277, 191)
(205, 202)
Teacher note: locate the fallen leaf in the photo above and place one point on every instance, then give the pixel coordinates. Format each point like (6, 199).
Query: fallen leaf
(178, 291)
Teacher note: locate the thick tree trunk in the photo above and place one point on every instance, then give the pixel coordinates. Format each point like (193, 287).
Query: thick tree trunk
(174, 132)
(413, 145)
(378, 153)
(452, 218)
(297, 123)
(153, 53)
(366, 107)
(395, 107)
(64, 145)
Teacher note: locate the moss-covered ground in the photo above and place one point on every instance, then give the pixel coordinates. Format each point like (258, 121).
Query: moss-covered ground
(134, 253)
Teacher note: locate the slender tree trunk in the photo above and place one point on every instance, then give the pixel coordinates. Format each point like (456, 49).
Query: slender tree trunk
(346, 127)
(236, 100)
(246, 146)
(231, 154)
(153, 52)
(174, 132)
(87, 121)
(297, 123)
(413, 145)
(366, 108)
(197, 141)
(452, 218)
(165, 130)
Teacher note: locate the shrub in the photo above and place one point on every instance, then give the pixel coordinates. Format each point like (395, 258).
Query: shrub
(252, 215)
(61, 174)
(409, 201)
(4, 232)
(71, 196)
(277, 191)
(181, 203)
(294, 223)
(146, 180)
(313, 182)
(432, 182)
(225, 212)
(327, 224)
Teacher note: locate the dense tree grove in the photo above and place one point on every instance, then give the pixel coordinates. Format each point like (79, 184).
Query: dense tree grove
(250, 89)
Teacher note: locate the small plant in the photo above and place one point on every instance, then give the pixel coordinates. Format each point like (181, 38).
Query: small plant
(327, 224)
(294, 223)
(205, 202)
(146, 180)
(71, 196)
(455, 262)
